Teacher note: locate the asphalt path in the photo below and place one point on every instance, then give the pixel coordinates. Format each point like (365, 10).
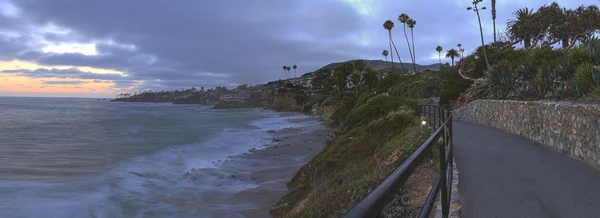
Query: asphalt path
(504, 175)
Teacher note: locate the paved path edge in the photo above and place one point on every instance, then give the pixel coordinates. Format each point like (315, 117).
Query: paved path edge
(455, 204)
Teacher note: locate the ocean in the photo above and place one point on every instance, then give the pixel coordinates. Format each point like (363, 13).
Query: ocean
(68, 157)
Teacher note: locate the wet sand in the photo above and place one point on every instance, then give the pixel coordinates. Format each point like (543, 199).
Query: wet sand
(270, 167)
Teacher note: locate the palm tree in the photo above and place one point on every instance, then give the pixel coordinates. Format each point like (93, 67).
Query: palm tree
(294, 70)
(389, 25)
(519, 29)
(459, 45)
(474, 8)
(494, 17)
(288, 68)
(439, 50)
(285, 71)
(452, 53)
(385, 54)
(411, 24)
(403, 18)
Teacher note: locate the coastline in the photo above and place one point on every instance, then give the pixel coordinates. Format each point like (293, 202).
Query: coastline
(269, 167)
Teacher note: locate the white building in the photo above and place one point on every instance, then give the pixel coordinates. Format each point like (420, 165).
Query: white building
(233, 97)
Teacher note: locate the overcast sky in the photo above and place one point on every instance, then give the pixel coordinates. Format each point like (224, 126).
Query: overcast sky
(96, 48)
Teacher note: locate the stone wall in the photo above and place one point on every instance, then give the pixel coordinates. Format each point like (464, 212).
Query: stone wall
(571, 128)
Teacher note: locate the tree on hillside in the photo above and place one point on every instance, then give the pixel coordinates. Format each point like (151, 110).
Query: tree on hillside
(452, 53)
(411, 24)
(385, 54)
(476, 9)
(355, 79)
(518, 29)
(403, 18)
(285, 71)
(439, 50)
(359, 65)
(340, 76)
(551, 24)
(459, 45)
(288, 68)
(389, 25)
(294, 70)
(369, 78)
(494, 17)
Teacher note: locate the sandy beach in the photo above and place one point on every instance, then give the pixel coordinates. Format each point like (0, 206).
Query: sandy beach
(270, 167)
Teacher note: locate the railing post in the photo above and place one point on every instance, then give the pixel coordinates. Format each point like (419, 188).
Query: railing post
(443, 182)
(439, 116)
(429, 115)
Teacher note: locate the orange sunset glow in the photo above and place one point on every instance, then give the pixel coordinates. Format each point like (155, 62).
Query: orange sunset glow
(12, 83)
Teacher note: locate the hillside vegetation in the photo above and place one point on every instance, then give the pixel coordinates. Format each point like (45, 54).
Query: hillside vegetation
(375, 132)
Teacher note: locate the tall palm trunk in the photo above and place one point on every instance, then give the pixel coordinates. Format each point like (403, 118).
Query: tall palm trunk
(408, 43)
(399, 59)
(482, 43)
(452, 60)
(565, 42)
(494, 17)
(390, 38)
(527, 43)
(440, 57)
(412, 33)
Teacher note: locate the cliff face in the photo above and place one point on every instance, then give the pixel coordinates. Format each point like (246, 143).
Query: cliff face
(285, 103)
(326, 110)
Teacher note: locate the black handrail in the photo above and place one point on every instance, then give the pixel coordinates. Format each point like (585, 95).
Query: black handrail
(376, 200)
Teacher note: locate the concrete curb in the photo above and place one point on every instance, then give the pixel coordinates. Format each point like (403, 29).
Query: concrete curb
(455, 205)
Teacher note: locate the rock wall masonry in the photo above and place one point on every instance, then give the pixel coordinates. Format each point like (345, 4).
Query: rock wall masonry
(571, 128)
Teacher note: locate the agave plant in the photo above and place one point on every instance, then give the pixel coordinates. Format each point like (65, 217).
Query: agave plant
(562, 91)
(502, 81)
(595, 92)
(596, 75)
(578, 91)
(584, 74)
(593, 46)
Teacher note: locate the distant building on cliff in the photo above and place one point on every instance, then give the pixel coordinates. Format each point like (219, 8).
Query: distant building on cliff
(234, 97)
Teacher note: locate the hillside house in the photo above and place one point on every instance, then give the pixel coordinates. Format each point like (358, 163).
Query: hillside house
(234, 97)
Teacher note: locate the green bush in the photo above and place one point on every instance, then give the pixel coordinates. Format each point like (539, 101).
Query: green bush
(373, 109)
(584, 73)
(363, 98)
(387, 82)
(452, 88)
(595, 91)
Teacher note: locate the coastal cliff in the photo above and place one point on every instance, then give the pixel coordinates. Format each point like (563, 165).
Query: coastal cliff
(374, 135)
(240, 104)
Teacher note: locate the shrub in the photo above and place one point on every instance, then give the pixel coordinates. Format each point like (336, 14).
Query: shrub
(584, 73)
(452, 88)
(373, 109)
(387, 82)
(595, 91)
(363, 98)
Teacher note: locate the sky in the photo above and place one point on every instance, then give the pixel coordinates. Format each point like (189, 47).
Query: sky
(98, 48)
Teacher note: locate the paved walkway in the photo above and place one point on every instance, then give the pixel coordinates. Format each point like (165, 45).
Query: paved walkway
(503, 175)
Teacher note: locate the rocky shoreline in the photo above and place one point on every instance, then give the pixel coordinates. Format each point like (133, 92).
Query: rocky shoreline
(270, 167)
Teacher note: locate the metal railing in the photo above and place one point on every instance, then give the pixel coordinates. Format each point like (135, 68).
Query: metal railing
(440, 119)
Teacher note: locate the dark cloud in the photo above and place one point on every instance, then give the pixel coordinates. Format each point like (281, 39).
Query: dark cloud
(175, 44)
(72, 73)
(62, 82)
